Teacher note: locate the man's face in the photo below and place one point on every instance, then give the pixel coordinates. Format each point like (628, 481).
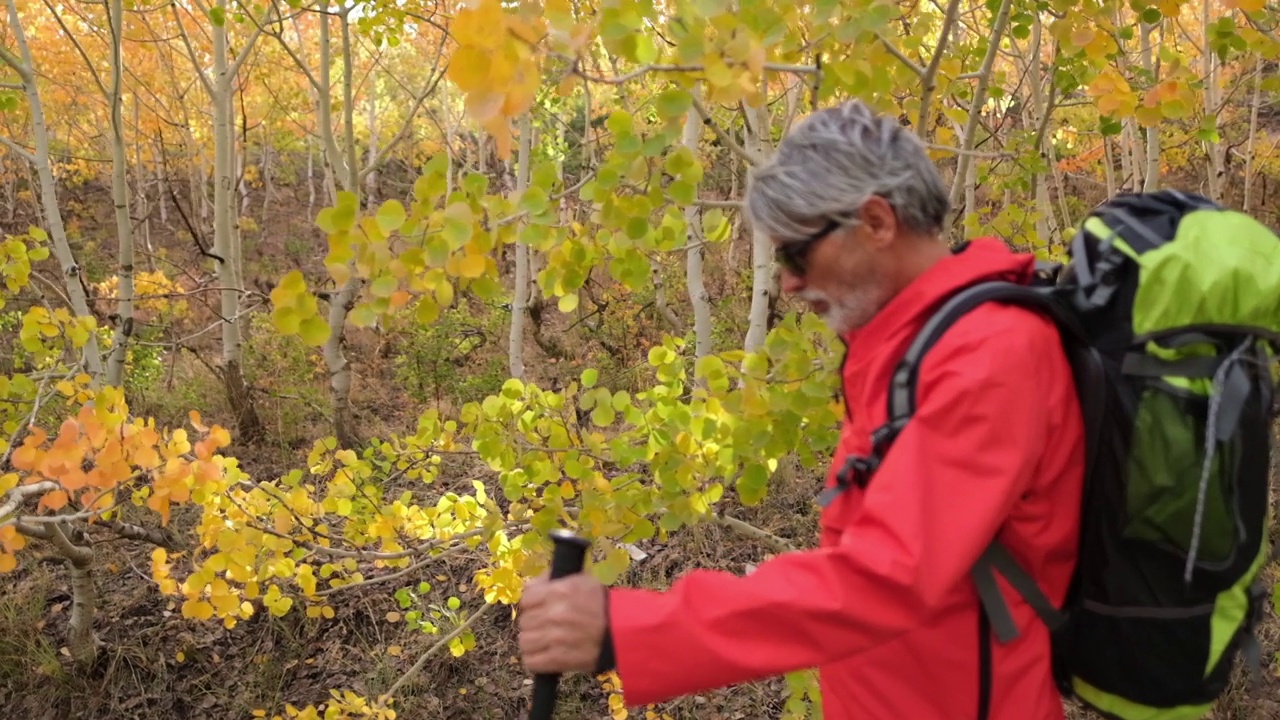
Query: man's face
(839, 277)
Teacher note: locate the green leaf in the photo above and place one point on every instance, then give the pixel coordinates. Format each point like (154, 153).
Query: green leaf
(603, 415)
(682, 192)
(458, 224)
(325, 221)
(384, 286)
(391, 215)
(673, 103)
(218, 16)
(619, 123)
(568, 303)
(314, 331)
(752, 484)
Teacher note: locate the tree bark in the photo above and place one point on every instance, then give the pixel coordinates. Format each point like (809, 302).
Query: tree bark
(758, 146)
(249, 426)
(694, 279)
(520, 288)
(120, 199)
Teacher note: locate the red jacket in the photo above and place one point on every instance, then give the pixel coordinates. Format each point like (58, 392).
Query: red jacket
(884, 607)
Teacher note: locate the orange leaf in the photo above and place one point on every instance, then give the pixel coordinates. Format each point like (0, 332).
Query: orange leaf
(54, 500)
(7, 563)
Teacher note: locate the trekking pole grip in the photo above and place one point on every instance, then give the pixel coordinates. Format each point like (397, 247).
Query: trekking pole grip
(567, 559)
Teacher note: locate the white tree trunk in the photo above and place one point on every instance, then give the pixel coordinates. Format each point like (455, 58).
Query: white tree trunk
(120, 199)
(335, 358)
(694, 280)
(371, 180)
(757, 143)
(520, 288)
(72, 280)
(1254, 104)
(1151, 173)
(1216, 172)
(225, 244)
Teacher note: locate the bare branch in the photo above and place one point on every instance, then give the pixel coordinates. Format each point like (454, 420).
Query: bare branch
(440, 645)
(17, 149)
(689, 68)
(729, 142)
(928, 78)
(718, 203)
(19, 495)
(912, 64)
(746, 528)
(93, 72)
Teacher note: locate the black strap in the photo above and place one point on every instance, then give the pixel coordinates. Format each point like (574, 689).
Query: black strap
(997, 558)
(984, 666)
(1144, 240)
(902, 400)
(1144, 365)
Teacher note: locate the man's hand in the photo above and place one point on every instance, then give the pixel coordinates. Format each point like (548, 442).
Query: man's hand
(562, 623)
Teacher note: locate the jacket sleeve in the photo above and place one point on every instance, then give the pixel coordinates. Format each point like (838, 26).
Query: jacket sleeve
(938, 499)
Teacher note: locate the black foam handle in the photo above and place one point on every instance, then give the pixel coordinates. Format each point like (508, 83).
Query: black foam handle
(567, 559)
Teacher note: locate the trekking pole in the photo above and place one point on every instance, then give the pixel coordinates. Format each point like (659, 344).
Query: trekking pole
(567, 559)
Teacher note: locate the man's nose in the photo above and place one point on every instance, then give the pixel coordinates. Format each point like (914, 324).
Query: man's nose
(789, 282)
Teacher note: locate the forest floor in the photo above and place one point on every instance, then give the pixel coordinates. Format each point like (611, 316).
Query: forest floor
(156, 665)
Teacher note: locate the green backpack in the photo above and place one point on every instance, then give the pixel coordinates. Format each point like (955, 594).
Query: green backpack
(1169, 311)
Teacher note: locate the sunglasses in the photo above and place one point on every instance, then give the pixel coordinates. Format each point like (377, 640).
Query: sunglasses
(791, 255)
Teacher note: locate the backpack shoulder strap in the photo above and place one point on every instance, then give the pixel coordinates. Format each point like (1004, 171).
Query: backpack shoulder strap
(1088, 373)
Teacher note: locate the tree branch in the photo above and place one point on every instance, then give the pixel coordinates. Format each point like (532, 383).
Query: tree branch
(440, 645)
(729, 142)
(928, 78)
(93, 72)
(915, 68)
(746, 528)
(17, 149)
(19, 495)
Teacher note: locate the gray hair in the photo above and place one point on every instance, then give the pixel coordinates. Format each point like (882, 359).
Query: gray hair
(832, 162)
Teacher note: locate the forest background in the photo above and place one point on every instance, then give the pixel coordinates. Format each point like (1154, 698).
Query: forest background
(321, 314)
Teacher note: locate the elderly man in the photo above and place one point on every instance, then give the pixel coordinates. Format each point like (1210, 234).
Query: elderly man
(884, 607)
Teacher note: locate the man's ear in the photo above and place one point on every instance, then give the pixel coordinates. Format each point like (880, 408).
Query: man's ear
(880, 220)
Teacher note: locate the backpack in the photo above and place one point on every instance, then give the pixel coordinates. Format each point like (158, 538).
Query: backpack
(1176, 387)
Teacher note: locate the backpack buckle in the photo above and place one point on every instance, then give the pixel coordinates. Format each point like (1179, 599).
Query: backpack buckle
(857, 470)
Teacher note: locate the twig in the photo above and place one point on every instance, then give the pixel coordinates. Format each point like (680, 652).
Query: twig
(746, 528)
(440, 644)
(689, 68)
(893, 50)
(729, 142)
(718, 203)
(395, 575)
(19, 495)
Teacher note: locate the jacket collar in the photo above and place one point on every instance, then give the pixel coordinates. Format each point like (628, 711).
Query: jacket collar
(973, 261)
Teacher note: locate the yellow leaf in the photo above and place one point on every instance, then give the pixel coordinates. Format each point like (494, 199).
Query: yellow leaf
(197, 609)
(471, 266)
(1245, 5)
(394, 650)
(7, 562)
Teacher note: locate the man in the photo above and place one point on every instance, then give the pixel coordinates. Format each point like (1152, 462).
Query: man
(884, 607)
